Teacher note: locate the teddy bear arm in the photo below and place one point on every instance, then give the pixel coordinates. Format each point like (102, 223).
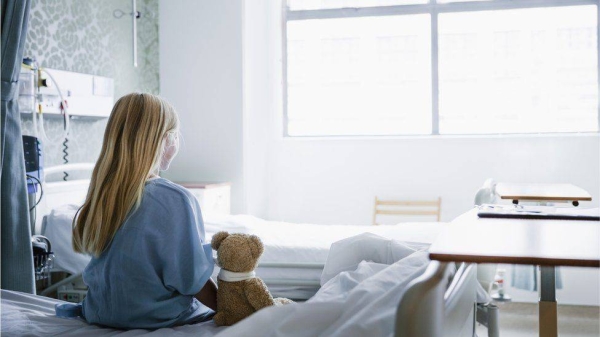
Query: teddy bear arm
(258, 295)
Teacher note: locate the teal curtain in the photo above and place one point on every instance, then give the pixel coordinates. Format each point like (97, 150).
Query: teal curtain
(17, 258)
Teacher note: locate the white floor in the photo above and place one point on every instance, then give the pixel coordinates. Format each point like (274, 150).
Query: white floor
(521, 319)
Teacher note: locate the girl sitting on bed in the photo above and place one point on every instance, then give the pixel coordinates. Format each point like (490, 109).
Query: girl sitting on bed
(149, 267)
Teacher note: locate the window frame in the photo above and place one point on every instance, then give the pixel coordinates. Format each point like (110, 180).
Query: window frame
(434, 8)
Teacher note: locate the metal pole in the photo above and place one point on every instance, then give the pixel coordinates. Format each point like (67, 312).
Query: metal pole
(31, 201)
(493, 321)
(548, 310)
(134, 23)
(435, 83)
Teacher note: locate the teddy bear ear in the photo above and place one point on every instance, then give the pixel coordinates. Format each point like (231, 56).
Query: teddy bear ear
(217, 239)
(256, 246)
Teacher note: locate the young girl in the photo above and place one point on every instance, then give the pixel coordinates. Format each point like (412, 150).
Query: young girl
(150, 267)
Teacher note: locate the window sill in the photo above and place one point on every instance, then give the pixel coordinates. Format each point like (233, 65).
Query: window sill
(446, 137)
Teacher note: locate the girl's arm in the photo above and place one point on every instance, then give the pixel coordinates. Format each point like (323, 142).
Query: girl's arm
(208, 295)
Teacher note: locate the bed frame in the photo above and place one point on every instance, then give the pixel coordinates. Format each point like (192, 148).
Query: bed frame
(292, 282)
(443, 302)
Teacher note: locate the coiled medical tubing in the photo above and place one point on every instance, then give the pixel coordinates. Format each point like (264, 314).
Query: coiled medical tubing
(64, 109)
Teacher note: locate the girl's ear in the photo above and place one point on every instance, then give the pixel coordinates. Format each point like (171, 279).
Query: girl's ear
(217, 239)
(256, 246)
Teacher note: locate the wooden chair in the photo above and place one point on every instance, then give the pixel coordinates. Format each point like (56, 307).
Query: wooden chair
(395, 207)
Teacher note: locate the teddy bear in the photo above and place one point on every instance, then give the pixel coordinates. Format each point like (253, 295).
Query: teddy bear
(240, 292)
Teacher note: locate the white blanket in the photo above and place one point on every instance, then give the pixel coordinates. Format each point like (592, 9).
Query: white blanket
(360, 301)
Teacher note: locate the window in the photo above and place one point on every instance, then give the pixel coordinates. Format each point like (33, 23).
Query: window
(406, 67)
(325, 4)
(359, 76)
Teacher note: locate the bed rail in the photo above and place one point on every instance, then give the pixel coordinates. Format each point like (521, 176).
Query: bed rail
(460, 302)
(439, 303)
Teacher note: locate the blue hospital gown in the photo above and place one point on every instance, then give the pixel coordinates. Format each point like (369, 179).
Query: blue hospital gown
(156, 263)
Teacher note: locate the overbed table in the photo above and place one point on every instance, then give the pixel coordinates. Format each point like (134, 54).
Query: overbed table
(542, 193)
(547, 243)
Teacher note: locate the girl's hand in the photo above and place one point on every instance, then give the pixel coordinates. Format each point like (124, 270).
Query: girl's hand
(208, 295)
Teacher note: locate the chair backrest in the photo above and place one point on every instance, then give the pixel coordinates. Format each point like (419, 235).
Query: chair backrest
(407, 207)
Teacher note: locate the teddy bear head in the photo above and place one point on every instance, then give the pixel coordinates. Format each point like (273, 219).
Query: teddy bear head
(237, 252)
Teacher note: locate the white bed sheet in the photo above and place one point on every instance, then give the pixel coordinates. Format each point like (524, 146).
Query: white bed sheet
(31, 315)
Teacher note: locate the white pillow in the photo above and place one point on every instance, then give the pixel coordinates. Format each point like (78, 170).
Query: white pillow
(346, 254)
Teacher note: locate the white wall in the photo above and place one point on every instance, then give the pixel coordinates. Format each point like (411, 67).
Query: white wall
(328, 181)
(201, 75)
(257, 96)
(334, 181)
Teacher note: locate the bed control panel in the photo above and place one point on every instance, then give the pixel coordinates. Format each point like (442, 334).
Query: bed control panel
(72, 295)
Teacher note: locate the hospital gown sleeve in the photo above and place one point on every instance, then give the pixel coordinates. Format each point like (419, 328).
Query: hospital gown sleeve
(186, 264)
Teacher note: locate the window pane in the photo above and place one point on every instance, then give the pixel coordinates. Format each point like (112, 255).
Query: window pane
(518, 71)
(359, 76)
(326, 4)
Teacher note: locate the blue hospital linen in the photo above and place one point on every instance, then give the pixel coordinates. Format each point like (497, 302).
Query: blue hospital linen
(156, 263)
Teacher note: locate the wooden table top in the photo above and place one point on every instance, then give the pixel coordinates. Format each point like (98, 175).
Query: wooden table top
(519, 241)
(556, 192)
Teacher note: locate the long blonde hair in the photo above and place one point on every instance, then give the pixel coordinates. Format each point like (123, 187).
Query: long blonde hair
(133, 145)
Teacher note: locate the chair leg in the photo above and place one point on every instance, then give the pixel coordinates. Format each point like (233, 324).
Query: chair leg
(375, 212)
(439, 209)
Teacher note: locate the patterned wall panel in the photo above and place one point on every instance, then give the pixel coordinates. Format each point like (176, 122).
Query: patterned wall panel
(84, 36)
